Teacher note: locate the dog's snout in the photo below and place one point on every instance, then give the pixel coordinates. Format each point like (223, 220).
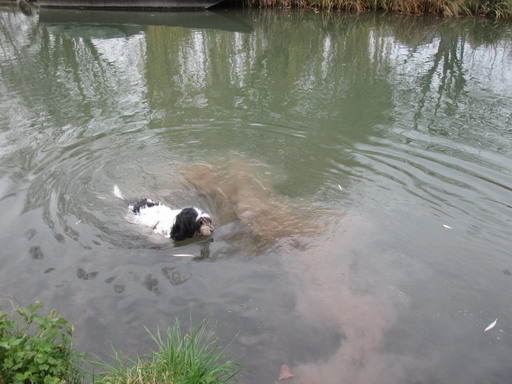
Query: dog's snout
(207, 230)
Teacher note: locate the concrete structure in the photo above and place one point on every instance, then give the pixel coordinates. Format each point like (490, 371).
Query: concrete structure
(128, 4)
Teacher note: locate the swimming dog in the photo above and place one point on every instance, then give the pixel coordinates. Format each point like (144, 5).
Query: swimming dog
(177, 224)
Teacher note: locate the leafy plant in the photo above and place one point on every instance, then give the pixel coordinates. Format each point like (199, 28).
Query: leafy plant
(36, 349)
(181, 358)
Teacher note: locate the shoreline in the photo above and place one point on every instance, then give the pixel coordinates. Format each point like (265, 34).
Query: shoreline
(500, 10)
(439, 8)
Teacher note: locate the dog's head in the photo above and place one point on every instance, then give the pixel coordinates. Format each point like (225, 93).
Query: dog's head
(191, 222)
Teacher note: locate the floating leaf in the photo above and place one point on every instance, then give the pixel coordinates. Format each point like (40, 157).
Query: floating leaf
(447, 226)
(287, 249)
(491, 326)
(285, 373)
(182, 255)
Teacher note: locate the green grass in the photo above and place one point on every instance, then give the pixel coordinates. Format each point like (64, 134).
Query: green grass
(193, 357)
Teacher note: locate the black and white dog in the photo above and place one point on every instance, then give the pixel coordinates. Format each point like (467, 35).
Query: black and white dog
(177, 224)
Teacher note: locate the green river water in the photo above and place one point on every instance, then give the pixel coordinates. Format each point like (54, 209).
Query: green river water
(358, 167)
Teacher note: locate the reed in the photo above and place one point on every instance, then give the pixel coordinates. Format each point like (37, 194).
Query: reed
(499, 9)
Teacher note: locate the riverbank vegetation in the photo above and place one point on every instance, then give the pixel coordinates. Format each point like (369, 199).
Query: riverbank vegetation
(499, 9)
(38, 349)
(181, 358)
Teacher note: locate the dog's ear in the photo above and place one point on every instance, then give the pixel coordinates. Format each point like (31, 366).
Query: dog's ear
(185, 225)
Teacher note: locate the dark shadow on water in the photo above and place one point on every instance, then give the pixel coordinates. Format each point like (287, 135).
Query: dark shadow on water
(127, 20)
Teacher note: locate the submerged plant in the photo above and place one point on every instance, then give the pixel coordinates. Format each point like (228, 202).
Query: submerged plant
(180, 358)
(35, 348)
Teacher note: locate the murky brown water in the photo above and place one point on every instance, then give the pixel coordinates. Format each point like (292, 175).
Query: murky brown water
(358, 169)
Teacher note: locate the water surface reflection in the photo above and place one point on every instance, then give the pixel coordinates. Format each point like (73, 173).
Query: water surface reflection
(358, 168)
